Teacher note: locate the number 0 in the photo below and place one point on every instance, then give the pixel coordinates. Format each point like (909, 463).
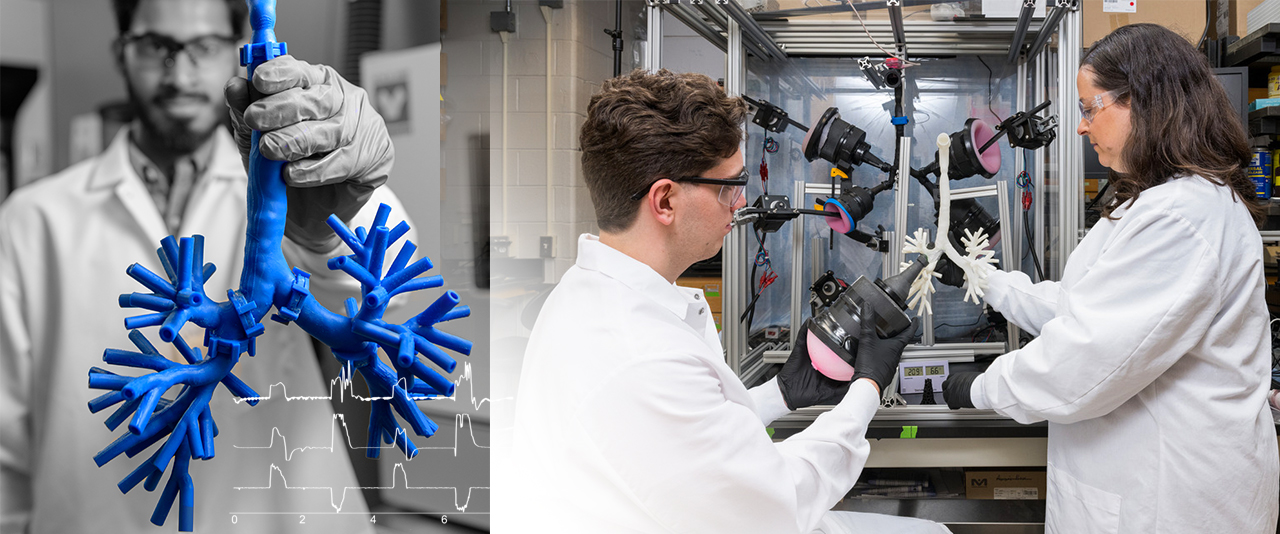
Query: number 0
(233, 520)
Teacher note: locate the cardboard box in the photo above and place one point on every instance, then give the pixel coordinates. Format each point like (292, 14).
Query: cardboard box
(1185, 17)
(710, 286)
(1231, 17)
(1005, 485)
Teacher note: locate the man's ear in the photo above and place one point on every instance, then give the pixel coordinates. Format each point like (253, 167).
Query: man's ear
(659, 202)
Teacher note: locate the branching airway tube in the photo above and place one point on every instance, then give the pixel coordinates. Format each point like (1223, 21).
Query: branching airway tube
(184, 427)
(976, 261)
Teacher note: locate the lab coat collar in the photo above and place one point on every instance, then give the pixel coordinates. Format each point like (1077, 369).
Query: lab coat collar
(596, 256)
(114, 165)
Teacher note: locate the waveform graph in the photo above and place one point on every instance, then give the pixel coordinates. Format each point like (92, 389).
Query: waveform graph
(305, 468)
(449, 477)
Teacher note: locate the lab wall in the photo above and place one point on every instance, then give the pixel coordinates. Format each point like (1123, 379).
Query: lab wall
(24, 43)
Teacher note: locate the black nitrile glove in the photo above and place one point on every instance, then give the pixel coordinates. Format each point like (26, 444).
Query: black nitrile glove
(955, 389)
(802, 385)
(952, 274)
(878, 358)
(337, 145)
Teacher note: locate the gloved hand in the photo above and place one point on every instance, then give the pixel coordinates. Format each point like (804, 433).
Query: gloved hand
(802, 385)
(955, 389)
(952, 274)
(878, 358)
(337, 145)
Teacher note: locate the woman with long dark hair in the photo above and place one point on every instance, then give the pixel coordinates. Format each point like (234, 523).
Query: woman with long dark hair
(1152, 359)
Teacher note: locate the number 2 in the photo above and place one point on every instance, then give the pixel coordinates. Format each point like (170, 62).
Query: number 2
(302, 520)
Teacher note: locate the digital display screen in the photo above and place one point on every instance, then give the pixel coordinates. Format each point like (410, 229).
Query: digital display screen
(912, 371)
(934, 370)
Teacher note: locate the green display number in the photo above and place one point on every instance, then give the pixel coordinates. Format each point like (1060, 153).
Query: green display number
(933, 370)
(912, 371)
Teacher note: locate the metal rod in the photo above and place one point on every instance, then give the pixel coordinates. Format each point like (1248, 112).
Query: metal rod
(1020, 33)
(1050, 26)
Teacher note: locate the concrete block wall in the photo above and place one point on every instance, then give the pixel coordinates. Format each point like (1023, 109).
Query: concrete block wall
(581, 58)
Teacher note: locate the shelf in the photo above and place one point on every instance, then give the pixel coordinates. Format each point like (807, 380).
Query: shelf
(1259, 51)
(1265, 121)
(926, 421)
(924, 38)
(970, 515)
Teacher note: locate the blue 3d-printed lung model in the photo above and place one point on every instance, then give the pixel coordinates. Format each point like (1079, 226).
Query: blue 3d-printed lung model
(185, 426)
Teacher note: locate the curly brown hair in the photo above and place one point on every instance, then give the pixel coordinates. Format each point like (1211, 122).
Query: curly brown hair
(645, 126)
(1182, 122)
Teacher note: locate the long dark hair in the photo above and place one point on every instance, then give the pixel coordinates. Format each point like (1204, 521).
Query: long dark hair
(1182, 121)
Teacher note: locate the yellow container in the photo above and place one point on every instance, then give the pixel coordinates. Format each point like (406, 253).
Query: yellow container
(1273, 83)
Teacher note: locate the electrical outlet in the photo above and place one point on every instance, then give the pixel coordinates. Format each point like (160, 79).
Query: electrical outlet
(500, 246)
(547, 246)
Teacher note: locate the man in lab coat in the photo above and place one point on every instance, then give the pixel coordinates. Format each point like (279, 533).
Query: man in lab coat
(627, 418)
(66, 240)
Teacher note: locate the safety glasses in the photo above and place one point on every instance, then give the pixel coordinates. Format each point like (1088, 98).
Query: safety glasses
(730, 190)
(1089, 112)
(156, 49)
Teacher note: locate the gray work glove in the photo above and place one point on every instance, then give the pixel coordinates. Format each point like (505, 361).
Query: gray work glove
(337, 145)
(878, 358)
(802, 385)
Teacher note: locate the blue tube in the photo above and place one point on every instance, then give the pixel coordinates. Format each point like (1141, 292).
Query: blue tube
(442, 305)
(433, 353)
(143, 321)
(446, 340)
(402, 259)
(396, 233)
(122, 413)
(104, 401)
(133, 359)
(456, 313)
(145, 301)
(166, 499)
(397, 278)
(150, 280)
(107, 380)
(378, 251)
(418, 284)
(145, 409)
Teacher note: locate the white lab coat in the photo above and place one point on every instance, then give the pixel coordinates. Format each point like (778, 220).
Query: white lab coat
(65, 242)
(627, 419)
(1151, 367)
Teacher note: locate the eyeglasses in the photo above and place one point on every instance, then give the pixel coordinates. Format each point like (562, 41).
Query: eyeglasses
(1089, 112)
(155, 48)
(730, 190)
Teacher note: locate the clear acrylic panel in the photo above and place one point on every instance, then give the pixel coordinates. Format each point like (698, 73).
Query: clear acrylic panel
(940, 95)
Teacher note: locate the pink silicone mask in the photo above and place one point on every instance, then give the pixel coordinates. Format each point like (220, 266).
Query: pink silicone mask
(826, 361)
(990, 159)
(841, 225)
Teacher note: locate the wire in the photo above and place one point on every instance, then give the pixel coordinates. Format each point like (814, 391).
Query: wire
(1205, 33)
(766, 279)
(770, 147)
(1024, 182)
(990, 94)
(905, 63)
